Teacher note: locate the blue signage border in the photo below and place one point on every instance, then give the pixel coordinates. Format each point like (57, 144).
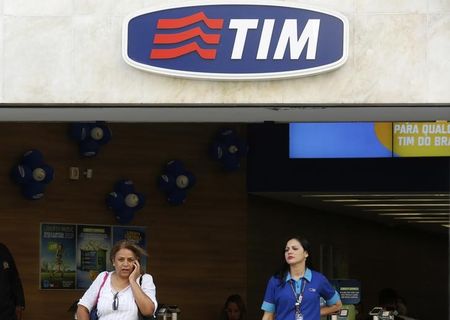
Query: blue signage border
(131, 42)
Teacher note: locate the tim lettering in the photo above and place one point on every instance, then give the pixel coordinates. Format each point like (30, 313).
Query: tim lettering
(289, 36)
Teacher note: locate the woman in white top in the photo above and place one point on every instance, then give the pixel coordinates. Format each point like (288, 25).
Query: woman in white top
(122, 297)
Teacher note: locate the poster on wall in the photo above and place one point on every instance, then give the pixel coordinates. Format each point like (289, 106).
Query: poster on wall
(135, 234)
(57, 258)
(72, 255)
(93, 248)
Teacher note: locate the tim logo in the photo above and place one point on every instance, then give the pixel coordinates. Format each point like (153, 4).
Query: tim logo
(187, 39)
(236, 41)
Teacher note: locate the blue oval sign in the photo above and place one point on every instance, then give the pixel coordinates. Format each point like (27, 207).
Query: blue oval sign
(236, 41)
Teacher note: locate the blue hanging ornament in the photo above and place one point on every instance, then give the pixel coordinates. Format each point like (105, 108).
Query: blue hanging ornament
(174, 182)
(124, 201)
(90, 136)
(228, 148)
(32, 174)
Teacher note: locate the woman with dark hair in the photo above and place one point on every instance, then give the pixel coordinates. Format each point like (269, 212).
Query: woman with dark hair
(125, 293)
(234, 308)
(294, 291)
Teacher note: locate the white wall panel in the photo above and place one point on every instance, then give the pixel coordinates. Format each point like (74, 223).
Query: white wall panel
(27, 8)
(390, 58)
(388, 6)
(37, 59)
(69, 51)
(107, 7)
(438, 54)
(438, 6)
(1, 55)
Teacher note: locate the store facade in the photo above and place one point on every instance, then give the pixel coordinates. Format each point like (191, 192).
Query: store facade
(62, 60)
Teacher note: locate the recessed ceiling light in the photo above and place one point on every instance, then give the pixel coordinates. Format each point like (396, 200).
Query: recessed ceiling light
(417, 218)
(386, 200)
(405, 209)
(415, 214)
(375, 195)
(399, 205)
(428, 221)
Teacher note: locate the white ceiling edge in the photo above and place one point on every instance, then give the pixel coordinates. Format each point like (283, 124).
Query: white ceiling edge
(236, 114)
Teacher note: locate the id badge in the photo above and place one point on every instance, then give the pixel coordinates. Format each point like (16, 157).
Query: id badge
(298, 316)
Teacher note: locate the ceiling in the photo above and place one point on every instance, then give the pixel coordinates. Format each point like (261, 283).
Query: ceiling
(420, 211)
(428, 212)
(224, 112)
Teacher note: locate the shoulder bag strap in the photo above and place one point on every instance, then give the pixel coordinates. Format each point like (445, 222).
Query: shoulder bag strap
(140, 314)
(100, 289)
(140, 279)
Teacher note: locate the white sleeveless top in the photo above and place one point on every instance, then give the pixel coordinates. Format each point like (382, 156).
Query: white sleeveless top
(127, 309)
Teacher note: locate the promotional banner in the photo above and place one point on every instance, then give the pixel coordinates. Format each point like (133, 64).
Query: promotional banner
(421, 139)
(93, 247)
(349, 290)
(57, 264)
(135, 234)
(72, 256)
(369, 139)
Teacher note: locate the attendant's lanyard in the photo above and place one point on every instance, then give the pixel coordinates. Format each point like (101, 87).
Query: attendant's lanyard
(298, 296)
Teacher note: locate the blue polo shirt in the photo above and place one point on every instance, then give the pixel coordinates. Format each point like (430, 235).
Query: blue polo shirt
(280, 299)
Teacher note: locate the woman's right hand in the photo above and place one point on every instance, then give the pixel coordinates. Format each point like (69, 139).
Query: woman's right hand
(135, 274)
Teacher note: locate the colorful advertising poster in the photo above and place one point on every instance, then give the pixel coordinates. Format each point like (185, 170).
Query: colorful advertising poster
(57, 256)
(422, 139)
(135, 234)
(349, 290)
(340, 140)
(93, 247)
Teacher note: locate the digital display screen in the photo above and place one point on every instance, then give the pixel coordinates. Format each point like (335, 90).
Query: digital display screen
(369, 139)
(340, 140)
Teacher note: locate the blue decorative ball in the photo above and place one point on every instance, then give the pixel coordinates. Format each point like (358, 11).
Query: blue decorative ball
(174, 167)
(135, 200)
(125, 216)
(177, 197)
(89, 148)
(78, 131)
(216, 150)
(49, 173)
(115, 201)
(32, 158)
(21, 174)
(33, 190)
(100, 133)
(124, 186)
(166, 182)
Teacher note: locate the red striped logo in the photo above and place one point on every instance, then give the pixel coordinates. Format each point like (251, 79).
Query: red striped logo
(178, 37)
